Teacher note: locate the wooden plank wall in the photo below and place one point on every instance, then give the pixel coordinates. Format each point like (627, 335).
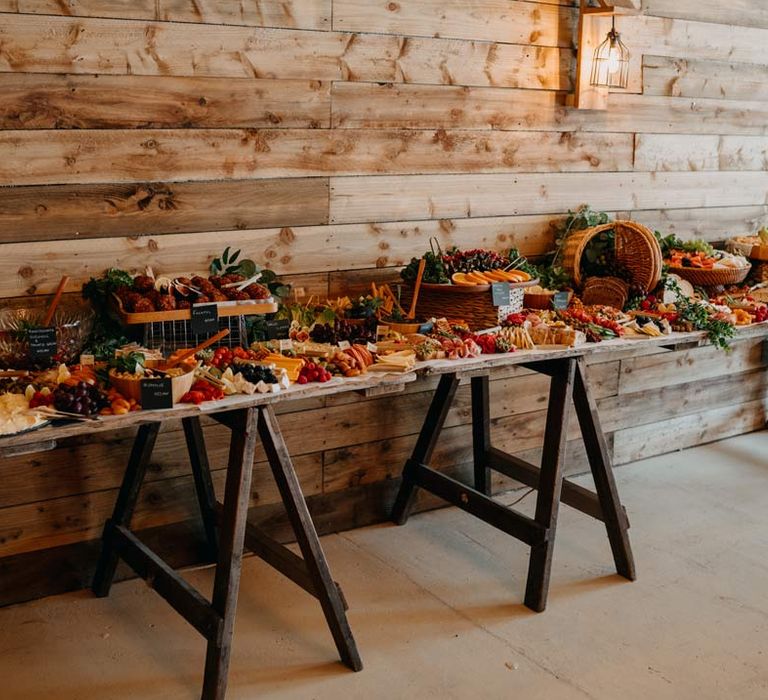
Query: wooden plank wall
(331, 139)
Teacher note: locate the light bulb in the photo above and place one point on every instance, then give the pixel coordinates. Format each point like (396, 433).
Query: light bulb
(613, 60)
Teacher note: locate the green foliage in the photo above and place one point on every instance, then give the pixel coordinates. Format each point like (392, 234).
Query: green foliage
(128, 362)
(519, 262)
(553, 278)
(672, 242)
(365, 307)
(434, 271)
(107, 334)
(226, 264)
(698, 314)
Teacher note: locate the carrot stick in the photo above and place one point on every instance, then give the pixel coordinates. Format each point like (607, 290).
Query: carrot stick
(55, 301)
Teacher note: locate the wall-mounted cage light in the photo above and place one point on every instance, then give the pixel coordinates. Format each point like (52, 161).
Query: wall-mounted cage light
(610, 64)
(601, 67)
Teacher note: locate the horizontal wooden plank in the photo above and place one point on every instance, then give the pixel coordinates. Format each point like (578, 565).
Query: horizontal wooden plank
(659, 36)
(504, 21)
(695, 429)
(74, 519)
(61, 45)
(711, 224)
(677, 152)
(372, 106)
(45, 101)
(101, 210)
(679, 77)
(93, 156)
(450, 196)
(296, 14)
(646, 373)
(378, 250)
(743, 12)
(673, 400)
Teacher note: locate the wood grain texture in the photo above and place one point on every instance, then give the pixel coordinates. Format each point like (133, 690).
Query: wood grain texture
(687, 431)
(31, 268)
(61, 45)
(659, 36)
(740, 12)
(74, 519)
(646, 373)
(366, 105)
(711, 224)
(102, 210)
(294, 14)
(446, 196)
(679, 77)
(44, 101)
(504, 21)
(662, 152)
(93, 156)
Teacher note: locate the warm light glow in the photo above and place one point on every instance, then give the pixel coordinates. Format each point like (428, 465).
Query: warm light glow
(610, 64)
(614, 62)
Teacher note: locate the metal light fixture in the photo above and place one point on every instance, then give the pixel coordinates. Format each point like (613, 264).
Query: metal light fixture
(610, 64)
(600, 67)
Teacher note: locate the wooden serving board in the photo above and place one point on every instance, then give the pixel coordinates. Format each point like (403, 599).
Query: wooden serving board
(251, 308)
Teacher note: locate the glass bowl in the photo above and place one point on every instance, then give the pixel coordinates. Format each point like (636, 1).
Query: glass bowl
(73, 326)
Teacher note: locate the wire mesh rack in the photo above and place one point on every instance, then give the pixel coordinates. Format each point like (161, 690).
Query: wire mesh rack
(168, 336)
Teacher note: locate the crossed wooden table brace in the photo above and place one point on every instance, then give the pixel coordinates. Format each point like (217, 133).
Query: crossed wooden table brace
(228, 530)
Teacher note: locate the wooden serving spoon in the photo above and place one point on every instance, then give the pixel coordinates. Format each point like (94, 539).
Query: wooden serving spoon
(417, 287)
(191, 353)
(55, 302)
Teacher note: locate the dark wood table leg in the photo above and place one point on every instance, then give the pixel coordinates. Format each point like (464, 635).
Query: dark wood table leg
(481, 433)
(237, 493)
(306, 536)
(141, 453)
(550, 483)
(201, 471)
(425, 445)
(615, 519)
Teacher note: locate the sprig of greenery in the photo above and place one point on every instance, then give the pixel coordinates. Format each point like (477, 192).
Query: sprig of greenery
(107, 334)
(553, 278)
(226, 264)
(698, 314)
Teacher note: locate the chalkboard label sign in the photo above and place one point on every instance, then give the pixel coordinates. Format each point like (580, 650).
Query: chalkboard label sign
(278, 328)
(156, 393)
(205, 319)
(560, 300)
(42, 344)
(500, 292)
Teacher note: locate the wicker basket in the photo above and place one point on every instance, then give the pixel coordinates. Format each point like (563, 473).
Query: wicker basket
(760, 272)
(636, 249)
(541, 300)
(605, 291)
(472, 304)
(719, 277)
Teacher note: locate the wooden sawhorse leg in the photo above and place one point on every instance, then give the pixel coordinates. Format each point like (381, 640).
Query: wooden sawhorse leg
(567, 382)
(227, 531)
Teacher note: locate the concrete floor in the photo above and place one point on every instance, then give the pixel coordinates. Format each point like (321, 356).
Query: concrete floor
(436, 609)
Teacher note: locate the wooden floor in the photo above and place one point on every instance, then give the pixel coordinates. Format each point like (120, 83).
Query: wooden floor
(436, 608)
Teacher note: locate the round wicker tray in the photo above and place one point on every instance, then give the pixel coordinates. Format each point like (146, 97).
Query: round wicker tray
(636, 248)
(712, 278)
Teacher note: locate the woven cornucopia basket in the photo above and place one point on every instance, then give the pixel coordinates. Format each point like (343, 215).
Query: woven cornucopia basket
(636, 249)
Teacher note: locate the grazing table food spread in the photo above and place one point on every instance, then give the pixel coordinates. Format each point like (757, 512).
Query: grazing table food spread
(142, 349)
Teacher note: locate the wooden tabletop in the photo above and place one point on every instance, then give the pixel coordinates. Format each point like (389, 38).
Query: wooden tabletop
(371, 383)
